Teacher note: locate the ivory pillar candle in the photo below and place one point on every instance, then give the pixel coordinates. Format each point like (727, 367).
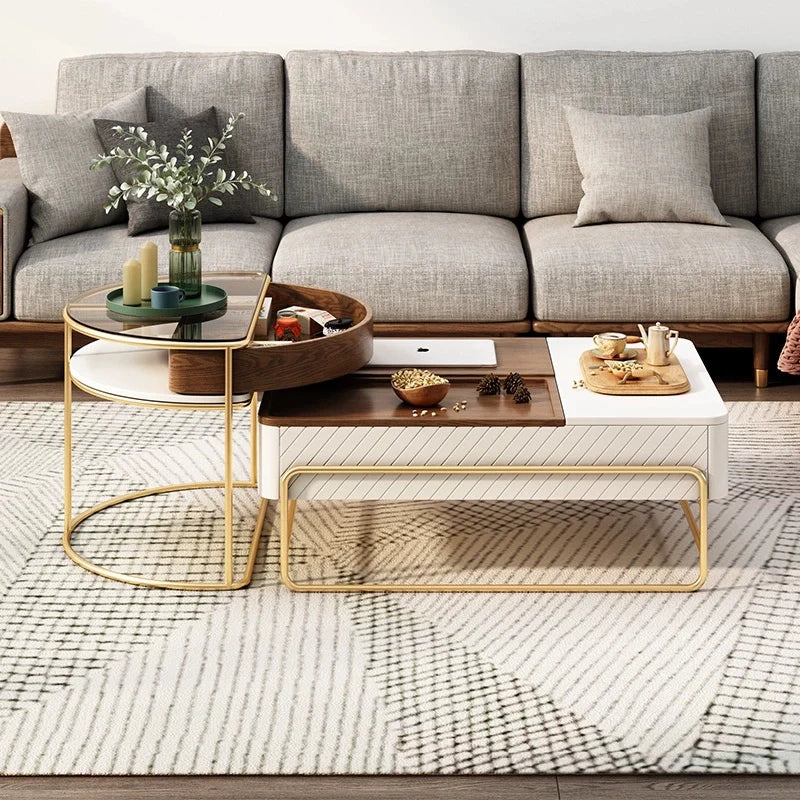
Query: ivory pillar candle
(148, 257)
(132, 283)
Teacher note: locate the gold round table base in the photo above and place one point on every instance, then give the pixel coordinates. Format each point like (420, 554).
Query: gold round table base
(137, 580)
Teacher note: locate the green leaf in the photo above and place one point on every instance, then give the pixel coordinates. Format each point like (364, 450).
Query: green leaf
(215, 200)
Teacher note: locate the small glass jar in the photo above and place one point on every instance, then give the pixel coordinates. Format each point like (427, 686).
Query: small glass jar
(287, 327)
(185, 262)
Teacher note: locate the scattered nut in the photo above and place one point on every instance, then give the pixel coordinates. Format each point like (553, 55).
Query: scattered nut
(433, 413)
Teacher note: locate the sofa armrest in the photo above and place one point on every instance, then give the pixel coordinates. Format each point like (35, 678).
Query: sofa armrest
(13, 227)
(6, 143)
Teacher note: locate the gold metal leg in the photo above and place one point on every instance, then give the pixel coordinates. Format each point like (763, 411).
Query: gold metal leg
(699, 528)
(137, 580)
(693, 527)
(228, 466)
(228, 484)
(67, 429)
(254, 439)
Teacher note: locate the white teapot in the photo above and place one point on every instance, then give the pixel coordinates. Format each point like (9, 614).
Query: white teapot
(660, 342)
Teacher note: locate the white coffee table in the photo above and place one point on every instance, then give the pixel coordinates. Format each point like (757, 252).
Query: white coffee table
(607, 448)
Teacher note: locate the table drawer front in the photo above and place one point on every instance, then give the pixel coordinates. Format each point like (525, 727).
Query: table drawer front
(600, 445)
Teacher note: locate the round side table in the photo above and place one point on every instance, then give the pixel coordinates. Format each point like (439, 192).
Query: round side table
(128, 362)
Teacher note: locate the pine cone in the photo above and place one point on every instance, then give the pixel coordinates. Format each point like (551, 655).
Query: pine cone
(512, 382)
(522, 395)
(489, 384)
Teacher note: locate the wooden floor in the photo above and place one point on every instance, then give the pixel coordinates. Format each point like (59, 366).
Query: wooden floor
(36, 375)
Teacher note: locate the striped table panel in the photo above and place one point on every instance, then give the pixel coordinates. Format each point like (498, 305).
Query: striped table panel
(646, 445)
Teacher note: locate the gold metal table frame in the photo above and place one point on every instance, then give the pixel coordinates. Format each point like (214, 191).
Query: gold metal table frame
(698, 527)
(228, 581)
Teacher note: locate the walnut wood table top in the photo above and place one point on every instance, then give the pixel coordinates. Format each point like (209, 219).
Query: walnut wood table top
(365, 398)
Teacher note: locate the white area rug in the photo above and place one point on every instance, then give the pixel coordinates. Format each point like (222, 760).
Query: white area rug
(99, 677)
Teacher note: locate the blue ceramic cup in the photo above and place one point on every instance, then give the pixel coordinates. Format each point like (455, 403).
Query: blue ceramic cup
(166, 296)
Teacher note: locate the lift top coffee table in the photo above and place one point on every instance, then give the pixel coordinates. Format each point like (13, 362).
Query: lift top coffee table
(352, 440)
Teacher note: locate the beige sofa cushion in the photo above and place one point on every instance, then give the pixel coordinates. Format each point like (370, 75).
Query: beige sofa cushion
(647, 271)
(412, 266)
(784, 233)
(48, 274)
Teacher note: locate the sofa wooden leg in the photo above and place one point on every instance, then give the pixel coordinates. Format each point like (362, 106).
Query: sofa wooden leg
(761, 359)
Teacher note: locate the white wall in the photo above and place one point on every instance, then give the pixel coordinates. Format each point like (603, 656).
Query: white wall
(35, 34)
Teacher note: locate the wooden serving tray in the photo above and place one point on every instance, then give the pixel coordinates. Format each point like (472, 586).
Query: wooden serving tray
(601, 381)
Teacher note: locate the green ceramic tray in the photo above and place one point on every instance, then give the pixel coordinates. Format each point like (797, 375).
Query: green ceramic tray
(211, 298)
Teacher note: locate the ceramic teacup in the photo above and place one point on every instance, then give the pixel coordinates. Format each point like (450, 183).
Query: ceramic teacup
(610, 344)
(165, 296)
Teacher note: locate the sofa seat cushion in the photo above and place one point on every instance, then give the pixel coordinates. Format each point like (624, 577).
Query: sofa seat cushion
(411, 266)
(50, 273)
(647, 271)
(784, 233)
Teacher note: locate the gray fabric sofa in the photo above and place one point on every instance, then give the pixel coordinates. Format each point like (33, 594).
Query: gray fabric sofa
(778, 88)
(441, 188)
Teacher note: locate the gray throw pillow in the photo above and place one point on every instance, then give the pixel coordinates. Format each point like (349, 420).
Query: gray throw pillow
(644, 169)
(54, 153)
(147, 215)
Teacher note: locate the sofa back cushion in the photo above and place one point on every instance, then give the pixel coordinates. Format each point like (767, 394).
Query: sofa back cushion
(402, 132)
(778, 92)
(635, 83)
(183, 84)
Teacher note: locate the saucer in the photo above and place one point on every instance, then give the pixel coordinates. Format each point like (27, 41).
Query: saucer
(626, 356)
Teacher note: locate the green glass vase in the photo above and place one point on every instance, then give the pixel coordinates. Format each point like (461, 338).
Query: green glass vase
(185, 261)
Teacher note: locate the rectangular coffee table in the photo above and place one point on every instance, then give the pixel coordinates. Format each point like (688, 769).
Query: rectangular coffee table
(353, 440)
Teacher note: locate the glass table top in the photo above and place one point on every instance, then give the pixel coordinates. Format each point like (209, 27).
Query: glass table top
(230, 324)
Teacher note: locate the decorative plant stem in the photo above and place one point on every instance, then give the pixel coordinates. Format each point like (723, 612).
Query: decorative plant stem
(181, 181)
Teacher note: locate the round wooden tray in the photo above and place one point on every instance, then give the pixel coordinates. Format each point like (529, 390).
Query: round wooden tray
(267, 365)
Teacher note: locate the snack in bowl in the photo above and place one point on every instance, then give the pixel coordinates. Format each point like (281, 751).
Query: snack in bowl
(419, 387)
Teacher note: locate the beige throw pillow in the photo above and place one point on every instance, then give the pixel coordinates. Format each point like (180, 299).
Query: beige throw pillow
(649, 168)
(54, 153)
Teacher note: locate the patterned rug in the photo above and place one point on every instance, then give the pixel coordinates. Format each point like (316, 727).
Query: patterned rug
(99, 677)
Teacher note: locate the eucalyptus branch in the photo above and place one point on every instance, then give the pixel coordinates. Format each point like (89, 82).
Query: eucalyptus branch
(180, 181)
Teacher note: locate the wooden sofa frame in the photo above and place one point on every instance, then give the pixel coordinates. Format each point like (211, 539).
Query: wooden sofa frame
(755, 335)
